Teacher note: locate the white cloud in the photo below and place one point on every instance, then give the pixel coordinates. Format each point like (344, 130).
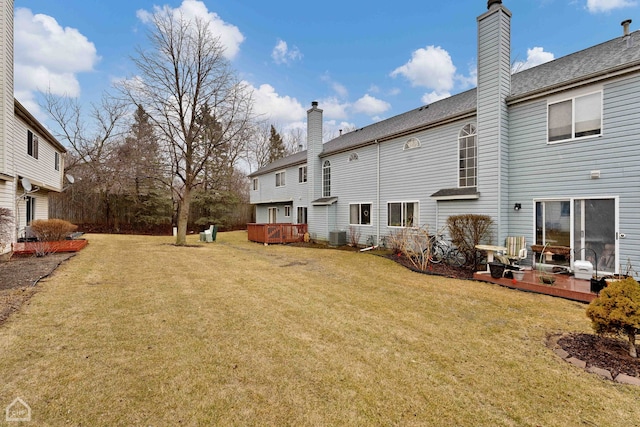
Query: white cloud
(333, 108)
(429, 67)
(281, 53)
(468, 81)
(279, 109)
(370, 105)
(331, 128)
(48, 57)
(535, 56)
(230, 36)
(432, 97)
(595, 6)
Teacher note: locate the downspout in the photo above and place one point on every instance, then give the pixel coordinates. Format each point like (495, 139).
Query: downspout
(378, 193)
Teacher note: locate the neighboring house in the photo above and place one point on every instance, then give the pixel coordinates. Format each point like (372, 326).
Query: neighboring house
(551, 153)
(29, 154)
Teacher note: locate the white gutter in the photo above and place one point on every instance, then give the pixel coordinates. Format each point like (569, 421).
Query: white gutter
(378, 194)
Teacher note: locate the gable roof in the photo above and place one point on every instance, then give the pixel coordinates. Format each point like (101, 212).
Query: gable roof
(606, 60)
(25, 115)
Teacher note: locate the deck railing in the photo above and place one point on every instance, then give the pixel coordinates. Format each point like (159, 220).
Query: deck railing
(276, 233)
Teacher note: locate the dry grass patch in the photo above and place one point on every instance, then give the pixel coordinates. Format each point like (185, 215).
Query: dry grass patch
(134, 331)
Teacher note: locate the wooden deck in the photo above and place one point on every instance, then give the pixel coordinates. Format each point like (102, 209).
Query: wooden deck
(28, 248)
(565, 286)
(276, 233)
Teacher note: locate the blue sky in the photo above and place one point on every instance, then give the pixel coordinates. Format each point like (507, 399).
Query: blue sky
(363, 61)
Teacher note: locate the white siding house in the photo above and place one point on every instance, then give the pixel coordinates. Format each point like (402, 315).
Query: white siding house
(550, 153)
(29, 154)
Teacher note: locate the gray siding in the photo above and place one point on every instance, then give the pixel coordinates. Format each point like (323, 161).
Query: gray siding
(494, 85)
(562, 170)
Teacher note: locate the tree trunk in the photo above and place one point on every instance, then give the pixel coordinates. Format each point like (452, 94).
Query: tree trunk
(632, 344)
(183, 216)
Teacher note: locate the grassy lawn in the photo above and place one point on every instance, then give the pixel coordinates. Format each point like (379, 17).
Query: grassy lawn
(134, 331)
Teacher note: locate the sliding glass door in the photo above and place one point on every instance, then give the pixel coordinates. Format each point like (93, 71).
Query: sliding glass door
(586, 227)
(595, 233)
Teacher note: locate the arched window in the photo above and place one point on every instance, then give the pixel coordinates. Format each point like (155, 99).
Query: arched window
(412, 143)
(326, 178)
(468, 156)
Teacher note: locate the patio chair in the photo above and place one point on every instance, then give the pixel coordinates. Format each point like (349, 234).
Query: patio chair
(209, 235)
(516, 249)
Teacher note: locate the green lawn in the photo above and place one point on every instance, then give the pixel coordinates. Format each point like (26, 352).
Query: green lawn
(135, 331)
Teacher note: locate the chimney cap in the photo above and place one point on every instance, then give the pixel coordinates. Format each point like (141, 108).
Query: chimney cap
(314, 103)
(493, 2)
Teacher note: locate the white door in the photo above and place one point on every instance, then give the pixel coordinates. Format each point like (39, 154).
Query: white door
(272, 215)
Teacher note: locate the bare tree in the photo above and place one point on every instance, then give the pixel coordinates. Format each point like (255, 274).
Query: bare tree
(295, 139)
(92, 140)
(181, 78)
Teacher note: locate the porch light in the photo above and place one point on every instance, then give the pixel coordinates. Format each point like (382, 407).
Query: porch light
(517, 207)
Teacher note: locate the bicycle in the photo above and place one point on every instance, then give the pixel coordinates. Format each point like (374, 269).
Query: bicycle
(441, 250)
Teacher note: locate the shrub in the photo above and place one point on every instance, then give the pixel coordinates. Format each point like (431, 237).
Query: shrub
(51, 230)
(354, 236)
(467, 231)
(617, 310)
(414, 244)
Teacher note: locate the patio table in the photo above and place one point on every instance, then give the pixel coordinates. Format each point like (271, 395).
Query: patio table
(491, 251)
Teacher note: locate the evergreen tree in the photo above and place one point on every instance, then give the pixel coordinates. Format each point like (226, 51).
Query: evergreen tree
(277, 150)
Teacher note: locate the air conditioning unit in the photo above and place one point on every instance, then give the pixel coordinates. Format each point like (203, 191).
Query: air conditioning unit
(337, 238)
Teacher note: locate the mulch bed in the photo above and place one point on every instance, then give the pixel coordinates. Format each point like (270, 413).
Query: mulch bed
(19, 276)
(605, 352)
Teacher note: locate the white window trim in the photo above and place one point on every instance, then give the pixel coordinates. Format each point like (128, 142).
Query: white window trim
(403, 202)
(306, 176)
(458, 163)
(324, 167)
(298, 214)
(287, 211)
(412, 143)
(572, 97)
(283, 183)
(255, 184)
(360, 212)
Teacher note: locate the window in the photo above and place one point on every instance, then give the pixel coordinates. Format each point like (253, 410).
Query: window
(302, 174)
(280, 179)
(360, 214)
(254, 184)
(553, 225)
(412, 143)
(402, 214)
(32, 144)
(326, 179)
(302, 215)
(287, 211)
(575, 118)
(56, 161)
(31, 209)
(468, 157)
